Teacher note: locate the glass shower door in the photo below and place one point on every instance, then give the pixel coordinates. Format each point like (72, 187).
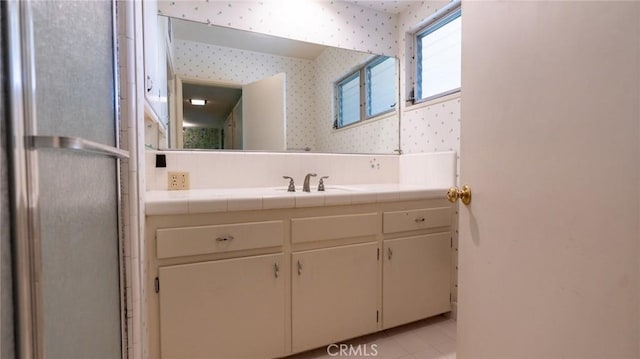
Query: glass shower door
(71, 158)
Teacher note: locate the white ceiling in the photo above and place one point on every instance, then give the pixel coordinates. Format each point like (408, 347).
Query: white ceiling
(220, 102)
(245, 40)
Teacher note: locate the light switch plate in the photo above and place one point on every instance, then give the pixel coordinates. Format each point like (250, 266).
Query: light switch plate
(178, 181)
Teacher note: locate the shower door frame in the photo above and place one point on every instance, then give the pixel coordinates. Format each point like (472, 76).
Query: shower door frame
(24, 181)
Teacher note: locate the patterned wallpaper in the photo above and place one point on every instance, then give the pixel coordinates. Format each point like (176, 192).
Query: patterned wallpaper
(347, 26)
(432, 128)
(202, 138)
(378, 136)
(224, 64)
(309, 102)
(330, 23)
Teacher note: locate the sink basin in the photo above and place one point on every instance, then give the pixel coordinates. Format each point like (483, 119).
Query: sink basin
(327, 189)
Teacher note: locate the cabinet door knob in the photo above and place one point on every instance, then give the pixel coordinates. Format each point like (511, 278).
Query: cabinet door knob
(420, 220)
(299, 268)
(276, 269)
(389, 253)
(224, 239)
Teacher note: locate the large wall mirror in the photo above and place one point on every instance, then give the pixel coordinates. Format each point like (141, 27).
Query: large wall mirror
(230, 89)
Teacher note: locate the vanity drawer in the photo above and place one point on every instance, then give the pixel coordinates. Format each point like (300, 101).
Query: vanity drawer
(334, 227)
(411, 220)
(188, 241)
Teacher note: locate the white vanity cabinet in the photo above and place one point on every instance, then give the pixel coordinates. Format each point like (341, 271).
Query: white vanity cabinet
(334, 294)
(270, 283)
(416, 269)
(233, 308)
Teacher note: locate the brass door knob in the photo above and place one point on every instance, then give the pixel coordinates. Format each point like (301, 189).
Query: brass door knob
(464, 194)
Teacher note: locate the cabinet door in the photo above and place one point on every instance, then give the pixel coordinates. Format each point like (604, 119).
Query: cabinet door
(223, 309)
(416, 278)
(155, 59)
(334, 294)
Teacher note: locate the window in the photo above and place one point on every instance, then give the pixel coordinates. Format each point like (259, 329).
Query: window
(349, 100)
(438, 57)
(368, 92)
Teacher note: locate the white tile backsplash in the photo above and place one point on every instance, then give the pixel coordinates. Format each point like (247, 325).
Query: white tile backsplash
(246, 169)
(436, 169)
(262, 169)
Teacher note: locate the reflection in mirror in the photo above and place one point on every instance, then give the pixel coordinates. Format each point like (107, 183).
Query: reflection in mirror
(262, 92)
(206, 116)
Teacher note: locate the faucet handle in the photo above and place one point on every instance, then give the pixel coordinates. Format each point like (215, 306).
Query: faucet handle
(292, 186)
(321, 183)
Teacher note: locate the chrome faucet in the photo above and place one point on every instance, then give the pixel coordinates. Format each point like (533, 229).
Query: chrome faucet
(321, 183)
(305, 186)
(292, 186)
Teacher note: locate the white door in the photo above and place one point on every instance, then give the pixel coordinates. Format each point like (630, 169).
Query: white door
(237, 125)
(228, 132)
(549, 244)
(263, 114)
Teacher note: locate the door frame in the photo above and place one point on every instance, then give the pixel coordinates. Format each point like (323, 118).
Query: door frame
(176, 122)
(24, 228)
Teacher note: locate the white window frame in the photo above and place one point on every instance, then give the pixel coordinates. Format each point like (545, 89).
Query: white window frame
(362, 72)
(442, 18)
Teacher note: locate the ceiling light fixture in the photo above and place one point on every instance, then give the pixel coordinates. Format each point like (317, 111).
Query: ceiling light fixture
(197, 102)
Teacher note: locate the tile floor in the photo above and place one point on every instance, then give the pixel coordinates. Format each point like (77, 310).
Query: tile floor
(433, 338)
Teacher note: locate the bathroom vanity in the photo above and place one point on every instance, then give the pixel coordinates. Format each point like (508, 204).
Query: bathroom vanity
(267, 273)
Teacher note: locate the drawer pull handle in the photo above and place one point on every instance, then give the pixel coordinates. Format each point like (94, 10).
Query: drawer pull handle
(224, 239)
(420, 220)
(299, 268)
(276, 270)
(389, 253)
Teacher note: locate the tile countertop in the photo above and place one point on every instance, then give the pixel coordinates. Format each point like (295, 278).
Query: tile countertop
(243, 199)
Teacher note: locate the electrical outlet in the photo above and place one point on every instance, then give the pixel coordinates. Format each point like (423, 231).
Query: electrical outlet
(178, 181)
